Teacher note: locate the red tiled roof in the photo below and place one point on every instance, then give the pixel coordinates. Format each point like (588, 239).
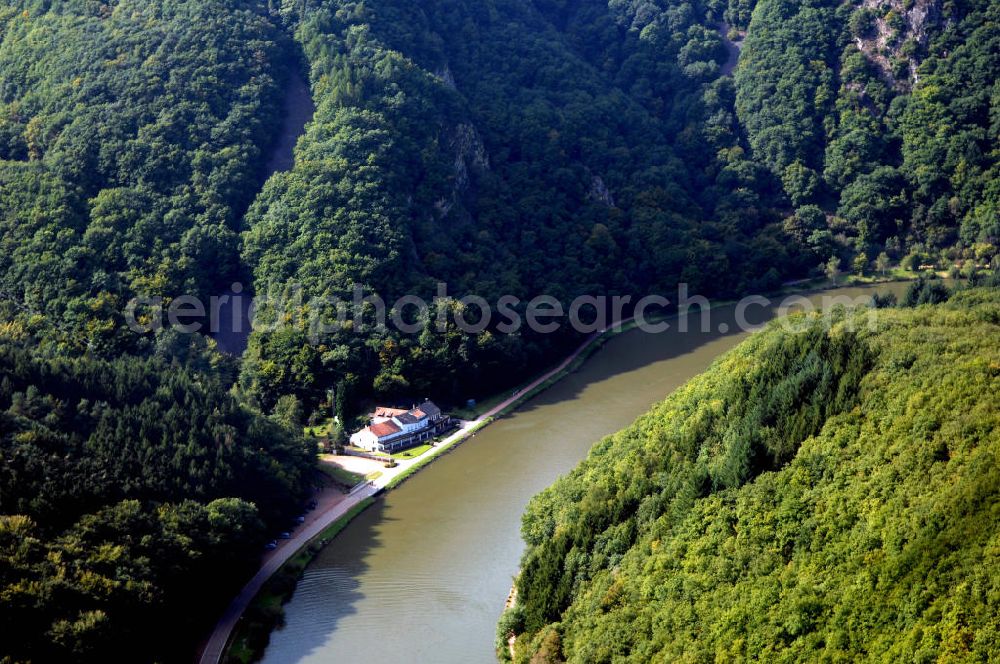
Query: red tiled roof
(384, 411)
(417, 413)
(384, 429)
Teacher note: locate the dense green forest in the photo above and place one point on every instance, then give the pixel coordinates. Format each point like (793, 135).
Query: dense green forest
(130, 143)
(511, 147)
(517, 147)
(508, 147)
(520, 147)
(883, 115)
(134, 488)
(133, 492)
(825, 492)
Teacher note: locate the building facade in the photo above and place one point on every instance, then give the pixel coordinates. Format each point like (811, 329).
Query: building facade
(393, 429)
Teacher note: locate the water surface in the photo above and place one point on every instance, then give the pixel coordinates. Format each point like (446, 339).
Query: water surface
(423, 574)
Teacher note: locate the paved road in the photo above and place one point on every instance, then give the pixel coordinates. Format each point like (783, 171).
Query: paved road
(332, 506)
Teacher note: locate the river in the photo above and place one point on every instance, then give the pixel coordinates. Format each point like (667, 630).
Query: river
(422, 575)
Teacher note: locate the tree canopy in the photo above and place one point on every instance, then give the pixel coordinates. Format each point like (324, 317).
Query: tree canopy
(503, 147)
(130, 491)
(822, 493)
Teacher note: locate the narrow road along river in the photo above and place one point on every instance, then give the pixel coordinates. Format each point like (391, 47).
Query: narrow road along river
(423, 574)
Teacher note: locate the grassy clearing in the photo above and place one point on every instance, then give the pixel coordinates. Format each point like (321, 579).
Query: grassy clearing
(320, 430)
(494, 400)
(846, 280)
(342, 477)
(265, 613)
(485, 405)
(412, 453)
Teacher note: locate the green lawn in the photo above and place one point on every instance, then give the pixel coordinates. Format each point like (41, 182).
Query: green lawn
(320, 430)
(494, 400)
(411, 453)
(341, 476)
(481, 406)
(378, 454)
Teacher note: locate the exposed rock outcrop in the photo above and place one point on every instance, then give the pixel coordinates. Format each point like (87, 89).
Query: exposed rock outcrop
(599, 192)
(446, 76)
(893, 35)
(470, 153)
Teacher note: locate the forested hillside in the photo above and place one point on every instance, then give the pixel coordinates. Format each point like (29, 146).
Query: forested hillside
(130, 143)
(508, 147)
(827, 493)
(131, 493)
(881, 115)
(135, 490)
(520, 147)
(512, 147)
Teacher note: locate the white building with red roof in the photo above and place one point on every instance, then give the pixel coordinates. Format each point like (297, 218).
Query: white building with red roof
(395, 429)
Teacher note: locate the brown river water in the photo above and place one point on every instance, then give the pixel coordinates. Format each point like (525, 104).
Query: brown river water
(422, 575)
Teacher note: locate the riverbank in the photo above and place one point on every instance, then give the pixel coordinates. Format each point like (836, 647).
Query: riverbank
(392, 478)
(436, 556)
(265, 611)
(295, 551)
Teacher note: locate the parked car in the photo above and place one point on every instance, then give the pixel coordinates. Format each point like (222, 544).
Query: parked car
(285, 536)
(300, 519)
(271, 546)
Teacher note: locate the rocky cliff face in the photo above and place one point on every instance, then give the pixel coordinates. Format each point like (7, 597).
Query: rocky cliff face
(466, 144)
(893, 35)
(600, 193)
(446, 76)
